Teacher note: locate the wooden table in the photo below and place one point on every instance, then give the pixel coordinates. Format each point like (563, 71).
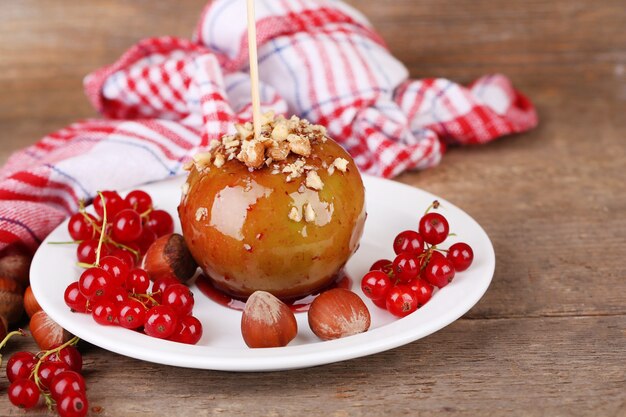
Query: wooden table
(548, 338)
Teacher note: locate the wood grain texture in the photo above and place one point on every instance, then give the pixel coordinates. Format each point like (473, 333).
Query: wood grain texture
(548, 338)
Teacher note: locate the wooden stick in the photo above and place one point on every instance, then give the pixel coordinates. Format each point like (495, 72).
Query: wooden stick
(254, 70)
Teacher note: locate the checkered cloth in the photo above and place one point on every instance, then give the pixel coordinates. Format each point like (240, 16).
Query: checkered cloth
(167, 97)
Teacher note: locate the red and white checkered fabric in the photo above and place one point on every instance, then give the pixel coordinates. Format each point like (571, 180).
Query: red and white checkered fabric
(166, 98)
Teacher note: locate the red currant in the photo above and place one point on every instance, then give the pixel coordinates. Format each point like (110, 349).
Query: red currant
(65, 382)
(117, 268)
(161, 283)
(439, 270)
(74, 298)
(406, 267)
(105, 312)
(72, 404)
(94, 279)
(384, 265)
(137, 281)
(401, 300)
(433, 228)
(125, 256)
(24, 393)
(146, 239)
(48, 370)
(140, 201)
(180, 298)
(132, 314)
(188, 330)
(80, 226)
(160, 322)
(127, 226)
(160, 222)
(118, 295)
(461, 255)
(20, 365)
(375, 284)
(86, 251)
(70, 356)
(381, 303)
(423, 290)
(408, 241)
(114, 204)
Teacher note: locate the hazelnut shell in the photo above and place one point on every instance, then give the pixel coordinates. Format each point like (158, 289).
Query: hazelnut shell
(338, 313)
(267, 322)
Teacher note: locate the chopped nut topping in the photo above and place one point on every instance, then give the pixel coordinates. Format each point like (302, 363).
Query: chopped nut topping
(232, 143)
(202, 160)
(341, 164)
(280, 132)
(247, 247)
(201, 213)
(278, 151)
(279, 137)
(252, 153)
(299, 145)
(295, 214)
(309, 214)
(294, 169)
(331, 169)
(219, 160)
(185, 188)
(314, 181)
(187, 166)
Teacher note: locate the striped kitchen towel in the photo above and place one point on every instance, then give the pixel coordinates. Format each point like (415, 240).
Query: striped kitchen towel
(166, 98)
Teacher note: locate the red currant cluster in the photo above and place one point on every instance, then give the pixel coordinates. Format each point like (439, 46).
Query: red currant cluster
(54, 375)
(112, 288)
(134, 227)
(403, 285)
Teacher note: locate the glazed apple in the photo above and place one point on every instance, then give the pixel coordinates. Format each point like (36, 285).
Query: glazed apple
(282, 213)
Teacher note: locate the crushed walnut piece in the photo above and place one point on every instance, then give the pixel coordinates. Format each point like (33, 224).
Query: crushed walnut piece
(295, 214)
(309, 213)
(201, 213)
(313, 181)
(341, 164)
(279, 138)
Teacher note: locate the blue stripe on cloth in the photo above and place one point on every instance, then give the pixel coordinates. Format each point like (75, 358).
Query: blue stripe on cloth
(433, 103)
(212, 23)
(22, 225)
(342, 97)
(69, 177)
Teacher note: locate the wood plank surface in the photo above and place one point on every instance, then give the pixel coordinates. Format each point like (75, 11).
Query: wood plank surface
(548, 338)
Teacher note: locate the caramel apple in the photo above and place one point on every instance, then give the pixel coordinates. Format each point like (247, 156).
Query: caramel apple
(280, 213)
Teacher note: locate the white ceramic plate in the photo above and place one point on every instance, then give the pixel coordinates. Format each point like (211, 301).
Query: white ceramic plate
(392, 207)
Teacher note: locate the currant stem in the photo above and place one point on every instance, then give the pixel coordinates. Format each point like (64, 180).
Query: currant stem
(433, 205)
(66, 243)
(148, 297)
(147, 212)
(104, 226)
(35, 372)
(10, 335)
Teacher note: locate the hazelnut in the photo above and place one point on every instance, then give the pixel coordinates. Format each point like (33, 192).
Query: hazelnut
(267, 322)
(338, 313)
(46, 332)
(11, 300)
(15, 264)
(30, 303)
(169, 255)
